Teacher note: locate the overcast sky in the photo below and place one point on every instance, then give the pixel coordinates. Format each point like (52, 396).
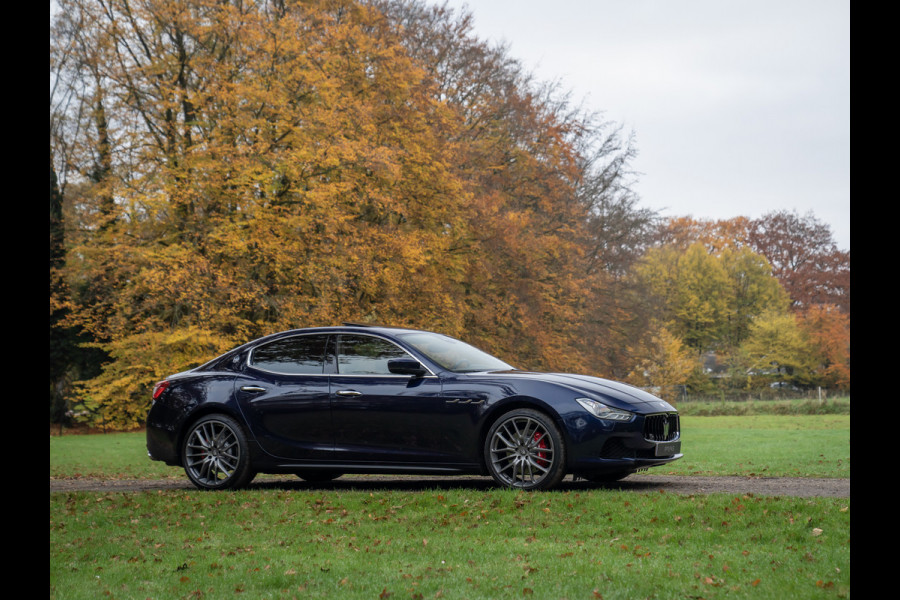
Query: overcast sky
(739, 107)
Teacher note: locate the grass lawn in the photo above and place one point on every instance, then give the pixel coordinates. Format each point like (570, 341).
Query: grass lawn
(446, 544)
(463, 543)
(766, 445)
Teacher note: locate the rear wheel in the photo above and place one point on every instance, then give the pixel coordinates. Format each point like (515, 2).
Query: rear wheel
(216, 454)
(524, 450)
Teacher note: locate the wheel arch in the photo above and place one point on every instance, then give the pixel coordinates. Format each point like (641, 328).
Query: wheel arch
(212, 408)
(510, 404)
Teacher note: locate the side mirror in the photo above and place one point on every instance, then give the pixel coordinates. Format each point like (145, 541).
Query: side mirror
(406, 366)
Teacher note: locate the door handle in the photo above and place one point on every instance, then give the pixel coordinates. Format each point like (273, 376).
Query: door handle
(349, 393)
(252, 388)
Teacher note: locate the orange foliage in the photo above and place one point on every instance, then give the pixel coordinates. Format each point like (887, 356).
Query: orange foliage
(276, 165)
(828, 328)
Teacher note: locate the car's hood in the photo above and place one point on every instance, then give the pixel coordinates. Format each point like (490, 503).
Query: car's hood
(620, 395)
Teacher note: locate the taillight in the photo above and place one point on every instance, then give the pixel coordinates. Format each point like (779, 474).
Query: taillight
(159, 388)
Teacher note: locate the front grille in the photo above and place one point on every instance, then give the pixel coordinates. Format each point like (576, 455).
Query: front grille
(662, 428)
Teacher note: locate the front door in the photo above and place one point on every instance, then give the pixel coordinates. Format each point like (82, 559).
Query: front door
(381, 417)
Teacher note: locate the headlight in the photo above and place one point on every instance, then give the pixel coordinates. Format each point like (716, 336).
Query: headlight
(602, 411)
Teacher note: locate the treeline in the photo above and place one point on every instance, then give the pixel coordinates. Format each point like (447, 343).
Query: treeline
(223, 169)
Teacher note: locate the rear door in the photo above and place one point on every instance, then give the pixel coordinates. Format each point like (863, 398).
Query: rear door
(285, 397)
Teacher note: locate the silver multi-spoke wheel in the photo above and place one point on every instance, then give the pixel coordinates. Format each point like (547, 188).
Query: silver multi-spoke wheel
(524, 450)
(215, 453)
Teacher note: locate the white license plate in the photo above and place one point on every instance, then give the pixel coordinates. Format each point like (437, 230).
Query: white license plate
(668, 448)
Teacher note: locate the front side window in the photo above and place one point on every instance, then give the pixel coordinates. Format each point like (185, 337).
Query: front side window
(298, 355)
(366, 355)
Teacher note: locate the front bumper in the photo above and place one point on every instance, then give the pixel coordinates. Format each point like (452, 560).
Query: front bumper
(599, 446)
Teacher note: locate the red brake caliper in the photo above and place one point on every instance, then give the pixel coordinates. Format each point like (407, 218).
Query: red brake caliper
(541, 443)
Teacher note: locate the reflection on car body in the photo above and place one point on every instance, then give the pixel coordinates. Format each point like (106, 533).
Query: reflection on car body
(322, 402)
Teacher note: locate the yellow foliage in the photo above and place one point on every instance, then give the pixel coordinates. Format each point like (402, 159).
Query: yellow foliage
(119, 397)
(663, 364)
(280, 165)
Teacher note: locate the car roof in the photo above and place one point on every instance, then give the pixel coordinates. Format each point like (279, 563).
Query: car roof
(343, 328)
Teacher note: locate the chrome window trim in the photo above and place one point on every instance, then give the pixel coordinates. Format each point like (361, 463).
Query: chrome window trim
(370, 375)
(249, 363)
(380, 337)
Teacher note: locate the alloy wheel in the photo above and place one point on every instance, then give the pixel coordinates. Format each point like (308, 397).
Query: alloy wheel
(212, 453)
(521, 452)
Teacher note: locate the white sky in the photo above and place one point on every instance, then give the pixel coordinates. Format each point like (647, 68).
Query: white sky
(739, 107)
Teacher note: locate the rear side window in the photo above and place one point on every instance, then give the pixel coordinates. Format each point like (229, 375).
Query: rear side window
(299, 355)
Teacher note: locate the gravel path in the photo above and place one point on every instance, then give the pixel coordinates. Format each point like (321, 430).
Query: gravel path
(759, 486)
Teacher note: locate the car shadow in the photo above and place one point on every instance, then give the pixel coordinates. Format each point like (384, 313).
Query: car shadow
(418, 484)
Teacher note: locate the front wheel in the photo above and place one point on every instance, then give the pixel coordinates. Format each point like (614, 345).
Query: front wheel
(524, 450)
(216, 455)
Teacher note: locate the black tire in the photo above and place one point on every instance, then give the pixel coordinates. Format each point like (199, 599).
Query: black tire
(318, 476)
(524, 450)
(216, 455)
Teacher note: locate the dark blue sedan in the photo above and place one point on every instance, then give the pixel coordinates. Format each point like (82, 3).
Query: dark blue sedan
(326, 401)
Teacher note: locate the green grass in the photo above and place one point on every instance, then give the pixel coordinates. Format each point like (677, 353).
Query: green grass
(463, 542)
(446, 544)
(764, 445)
(751, 445)
(106, 455)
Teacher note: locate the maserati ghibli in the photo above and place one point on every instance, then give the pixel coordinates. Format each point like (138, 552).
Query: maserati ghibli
(322, 402)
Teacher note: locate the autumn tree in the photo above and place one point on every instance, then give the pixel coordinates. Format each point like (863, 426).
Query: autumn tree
(240, 168)
(753, 290)
(663, 363)
(715, 235)
(70, 360)
(804, 257)
(557, 224)
(59, 340)
(801, 251)
(711, 302)
(828, 329)
(690, 290)
(271, 164)
(777, 349)
(801, 254)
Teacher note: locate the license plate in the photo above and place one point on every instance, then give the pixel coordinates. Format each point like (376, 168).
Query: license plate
(668, 448)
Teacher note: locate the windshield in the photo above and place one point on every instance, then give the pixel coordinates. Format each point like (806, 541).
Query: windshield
(452, 354)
